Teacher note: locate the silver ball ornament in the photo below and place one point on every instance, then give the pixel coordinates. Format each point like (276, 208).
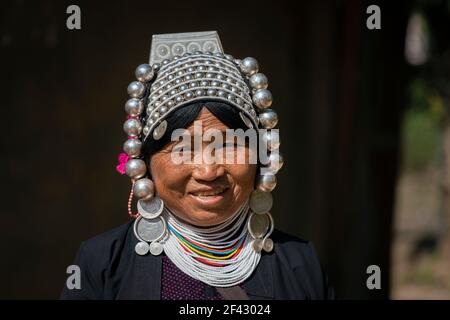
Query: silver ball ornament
(262, 98)
(271, 139)
(258, 81)
(132, 127)
(275, 162)
(268, 118)
(266, 182)
(144, 189)
(249, 66)
(136, 89)
(132, 147)
(144, 73)
(134, 107)
(135, 168)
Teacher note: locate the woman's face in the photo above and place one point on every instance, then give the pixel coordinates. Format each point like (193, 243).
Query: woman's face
(202, 193)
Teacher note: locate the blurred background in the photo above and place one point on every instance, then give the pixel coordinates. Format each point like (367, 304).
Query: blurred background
(364, 122)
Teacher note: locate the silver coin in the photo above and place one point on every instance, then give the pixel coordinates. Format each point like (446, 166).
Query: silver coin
(141, 248)
(257, 245)
(150, 209)
(259, 225)
(156, 248)
(267, 245)
(160, 130)
(150, 229)
(260, 201)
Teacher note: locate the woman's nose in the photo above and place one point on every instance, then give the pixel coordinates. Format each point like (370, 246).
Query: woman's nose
(208, 172)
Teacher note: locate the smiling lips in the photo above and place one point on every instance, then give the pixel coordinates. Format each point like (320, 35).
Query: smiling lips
(209, 197)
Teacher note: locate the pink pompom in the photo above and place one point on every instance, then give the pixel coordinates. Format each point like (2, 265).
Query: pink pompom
(123, 159)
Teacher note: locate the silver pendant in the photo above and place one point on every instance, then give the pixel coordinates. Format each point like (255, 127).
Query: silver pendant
(258, 225)
(159, 131)
(257, 245)
(150, 209)
(260, 201)
(267, 244)
(156, 248)
(246, 120)
(149, 229)
(141, 248)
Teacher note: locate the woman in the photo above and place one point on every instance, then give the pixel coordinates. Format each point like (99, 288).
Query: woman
(203, 229)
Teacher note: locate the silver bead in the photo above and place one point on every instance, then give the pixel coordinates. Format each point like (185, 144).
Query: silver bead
(262, 98)
(144, 73)
(163, 109)
(188, 95)
(221, 93)
(211, 92)
(199, 92)
(204, 83)
(249, 66)
(145, 130)
(179, 99)
(271, 139)
(275, 162)
(134, 107)
(132, 147)
(132, 127)
(266, 182)
(183, 87)
(136, 89)
(135, 168)
(229, 57)
(260, 202)
(193, 84)
(198, 75)
(268, 118)
(258, 81)
(144, 189)
(156, 66)
(165, 61)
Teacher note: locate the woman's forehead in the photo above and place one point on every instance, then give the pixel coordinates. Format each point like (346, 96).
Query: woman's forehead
(206, 121)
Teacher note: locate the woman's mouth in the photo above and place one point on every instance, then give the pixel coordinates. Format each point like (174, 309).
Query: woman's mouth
(210, 197)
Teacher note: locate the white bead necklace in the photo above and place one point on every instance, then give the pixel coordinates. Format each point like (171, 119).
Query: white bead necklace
(230, 272)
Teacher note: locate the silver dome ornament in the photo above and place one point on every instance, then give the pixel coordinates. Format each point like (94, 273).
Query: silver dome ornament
(257, 245)
(270, 139)
(249, 66)
(275, 162)
(135, 168)
(144, 73)
(262, 98)
(134, 107)
(268, 118)
(156, 248)
(266, 182)
(144, 189)
(258, 225)
(132, 127)
(159, 131)
(132, 147)
(260, 201)
(136, 89)
(258, 81)
(267, 245)
(142, 248)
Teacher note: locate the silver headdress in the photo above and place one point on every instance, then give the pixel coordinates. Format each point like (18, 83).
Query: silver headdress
(188, 67)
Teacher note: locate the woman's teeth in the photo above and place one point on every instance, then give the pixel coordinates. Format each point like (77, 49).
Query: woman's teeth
(209, 193)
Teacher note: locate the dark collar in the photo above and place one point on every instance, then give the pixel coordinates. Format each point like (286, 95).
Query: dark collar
(143, 279)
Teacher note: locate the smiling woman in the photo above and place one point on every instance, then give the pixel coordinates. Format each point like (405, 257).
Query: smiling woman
(203, 229)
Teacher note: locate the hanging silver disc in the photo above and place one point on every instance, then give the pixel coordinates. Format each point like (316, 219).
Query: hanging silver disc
(257, 245)
(156, 248)
(246, 120)
(141, 248)
(159, 131)
(260, 201)
(150, 229)
(259, 225)
(267, 245)
(150, 209)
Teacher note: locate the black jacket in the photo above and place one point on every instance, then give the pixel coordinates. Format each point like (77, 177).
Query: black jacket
(110, 269)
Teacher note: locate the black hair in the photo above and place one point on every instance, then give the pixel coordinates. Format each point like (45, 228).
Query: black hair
(183, 117)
